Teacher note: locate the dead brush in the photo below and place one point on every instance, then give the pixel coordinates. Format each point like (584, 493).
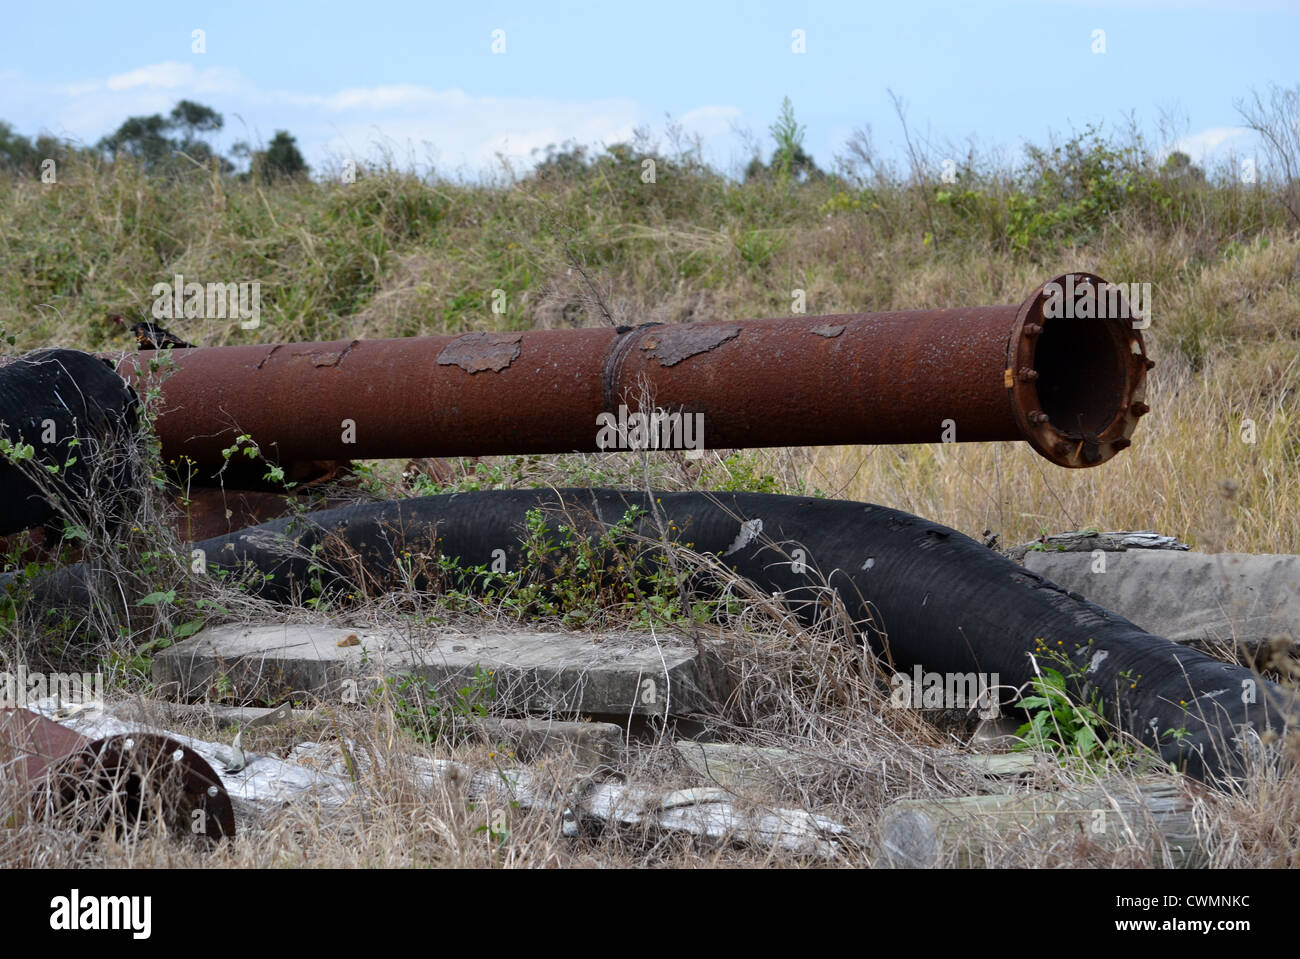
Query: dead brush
(136, 583)
(1257, 826)
(805, 683)
(120, 534)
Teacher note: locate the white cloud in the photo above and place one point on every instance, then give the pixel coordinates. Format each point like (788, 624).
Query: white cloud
(403, 96)
(169, 75)
(411, 122)
(710, 121)
(78, 89)
(470, 131)
(1207, 142)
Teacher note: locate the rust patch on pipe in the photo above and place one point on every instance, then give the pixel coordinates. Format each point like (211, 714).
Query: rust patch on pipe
(830, 331)
(477, 352)
(673, 344)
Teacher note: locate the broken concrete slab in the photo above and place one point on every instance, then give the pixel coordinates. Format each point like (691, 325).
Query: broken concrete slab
(1154, 817)
(1187, 597)
(1085, 541)
(591, 744)
(710, 814)
(745, 768)
(560, 675)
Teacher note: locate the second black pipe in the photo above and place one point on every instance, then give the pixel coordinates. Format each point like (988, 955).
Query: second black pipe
(925, 595)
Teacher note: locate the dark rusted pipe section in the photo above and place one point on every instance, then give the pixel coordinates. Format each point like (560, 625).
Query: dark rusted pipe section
(1070, 387)
(118, 778)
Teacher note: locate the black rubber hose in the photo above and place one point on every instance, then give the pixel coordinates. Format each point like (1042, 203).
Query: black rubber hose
(79, 416)
(926, 595)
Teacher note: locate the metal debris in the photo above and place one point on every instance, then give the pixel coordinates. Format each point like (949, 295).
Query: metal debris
(118, 775)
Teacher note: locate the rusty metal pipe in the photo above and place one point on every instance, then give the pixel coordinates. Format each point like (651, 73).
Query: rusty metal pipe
(1072, 388)
(115, 776)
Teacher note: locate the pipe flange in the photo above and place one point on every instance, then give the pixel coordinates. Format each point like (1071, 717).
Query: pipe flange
(1076, 370)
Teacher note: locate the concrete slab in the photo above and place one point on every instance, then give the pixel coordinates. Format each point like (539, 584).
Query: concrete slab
(1187, 597)
(559, 675)
(590, 744)
(746, 768)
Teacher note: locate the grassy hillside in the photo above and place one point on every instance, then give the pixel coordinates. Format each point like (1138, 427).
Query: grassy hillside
(586, 239)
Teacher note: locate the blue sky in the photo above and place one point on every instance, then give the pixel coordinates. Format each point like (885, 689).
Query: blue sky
(422, 81)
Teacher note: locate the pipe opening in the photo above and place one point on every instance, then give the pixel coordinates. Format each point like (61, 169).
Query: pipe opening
(1082, 374)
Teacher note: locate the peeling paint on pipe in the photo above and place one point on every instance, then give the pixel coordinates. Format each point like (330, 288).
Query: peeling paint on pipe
(1071, 388)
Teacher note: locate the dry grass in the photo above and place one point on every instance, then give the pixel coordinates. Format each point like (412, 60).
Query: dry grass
(846, 755)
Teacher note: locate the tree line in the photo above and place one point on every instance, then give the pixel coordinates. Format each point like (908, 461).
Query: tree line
(161, 144)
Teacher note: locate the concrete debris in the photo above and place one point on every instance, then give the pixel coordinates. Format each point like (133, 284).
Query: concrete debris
(716, 815)
(1152, 820)
(750, 770)
(564, 675)
(1250, 601)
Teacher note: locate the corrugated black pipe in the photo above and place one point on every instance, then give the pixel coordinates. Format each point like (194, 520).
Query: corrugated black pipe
(72, 409)
(937, 598)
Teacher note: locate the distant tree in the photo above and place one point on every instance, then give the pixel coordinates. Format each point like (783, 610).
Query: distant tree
(17, 152)
(1179, 164)
(789, 159)
(565, 162)
(159, 142)
(196, 121)
(144, 138)
(195, 118)
(281, 160)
